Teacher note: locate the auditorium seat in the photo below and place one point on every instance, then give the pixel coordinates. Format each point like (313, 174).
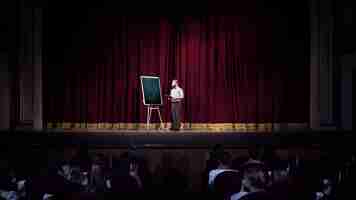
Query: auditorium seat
(227, 183)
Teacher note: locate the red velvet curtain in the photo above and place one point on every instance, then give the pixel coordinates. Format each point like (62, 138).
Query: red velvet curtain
(228, 67)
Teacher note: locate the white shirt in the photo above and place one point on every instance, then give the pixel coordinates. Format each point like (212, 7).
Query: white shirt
(177, 93)
(47, 196)
(9, 195)
(215, 172)
(238, 195)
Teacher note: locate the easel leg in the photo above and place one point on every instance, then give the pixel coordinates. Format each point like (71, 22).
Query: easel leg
(160, 118)
(148, 118)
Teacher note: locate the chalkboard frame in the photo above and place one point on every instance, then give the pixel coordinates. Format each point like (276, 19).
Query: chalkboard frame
(143, 91)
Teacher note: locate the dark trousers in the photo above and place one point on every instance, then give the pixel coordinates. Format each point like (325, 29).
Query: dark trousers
(176, 115)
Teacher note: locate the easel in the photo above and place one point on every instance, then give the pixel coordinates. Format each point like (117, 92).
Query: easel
(149, 113)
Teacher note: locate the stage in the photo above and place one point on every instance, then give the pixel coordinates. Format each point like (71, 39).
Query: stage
(119, 139)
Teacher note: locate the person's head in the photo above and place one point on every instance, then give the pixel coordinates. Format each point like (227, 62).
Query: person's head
(126, 163)
(217, 150)
(254, 178)
(327, 187)
(253, 152)
(280, 170)
(218, 147)
(65, 170)
(174, 83)
(224, 160)
(122, 180)
(238, 162)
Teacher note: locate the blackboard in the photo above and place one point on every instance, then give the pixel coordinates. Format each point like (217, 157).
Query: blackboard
(151, 90)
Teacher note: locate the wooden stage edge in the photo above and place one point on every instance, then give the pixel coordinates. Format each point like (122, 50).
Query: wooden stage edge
(158, 132)
(139, 128)
(166, 139)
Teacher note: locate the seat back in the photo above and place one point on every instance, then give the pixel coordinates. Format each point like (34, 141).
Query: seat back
(227, 183)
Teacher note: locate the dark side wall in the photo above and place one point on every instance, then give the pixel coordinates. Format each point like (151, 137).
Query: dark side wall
(4, 92)
(345, 53)
(7, 29)
(20, 64)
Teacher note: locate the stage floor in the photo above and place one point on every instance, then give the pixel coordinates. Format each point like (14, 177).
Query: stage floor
(150, 131)
(186, 128)
(170, 139)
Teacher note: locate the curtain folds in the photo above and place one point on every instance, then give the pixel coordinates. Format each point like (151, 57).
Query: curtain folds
(227, 66)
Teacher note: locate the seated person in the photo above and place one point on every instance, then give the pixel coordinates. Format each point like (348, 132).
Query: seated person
(211, 163)
(326, 192)
(227, 183)
(254, 181)
(98, 181)
(224, 164)
(125, 177)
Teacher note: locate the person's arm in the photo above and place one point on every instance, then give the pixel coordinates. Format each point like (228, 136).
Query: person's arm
(181, 94)
(170, 96)
(134, 174)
